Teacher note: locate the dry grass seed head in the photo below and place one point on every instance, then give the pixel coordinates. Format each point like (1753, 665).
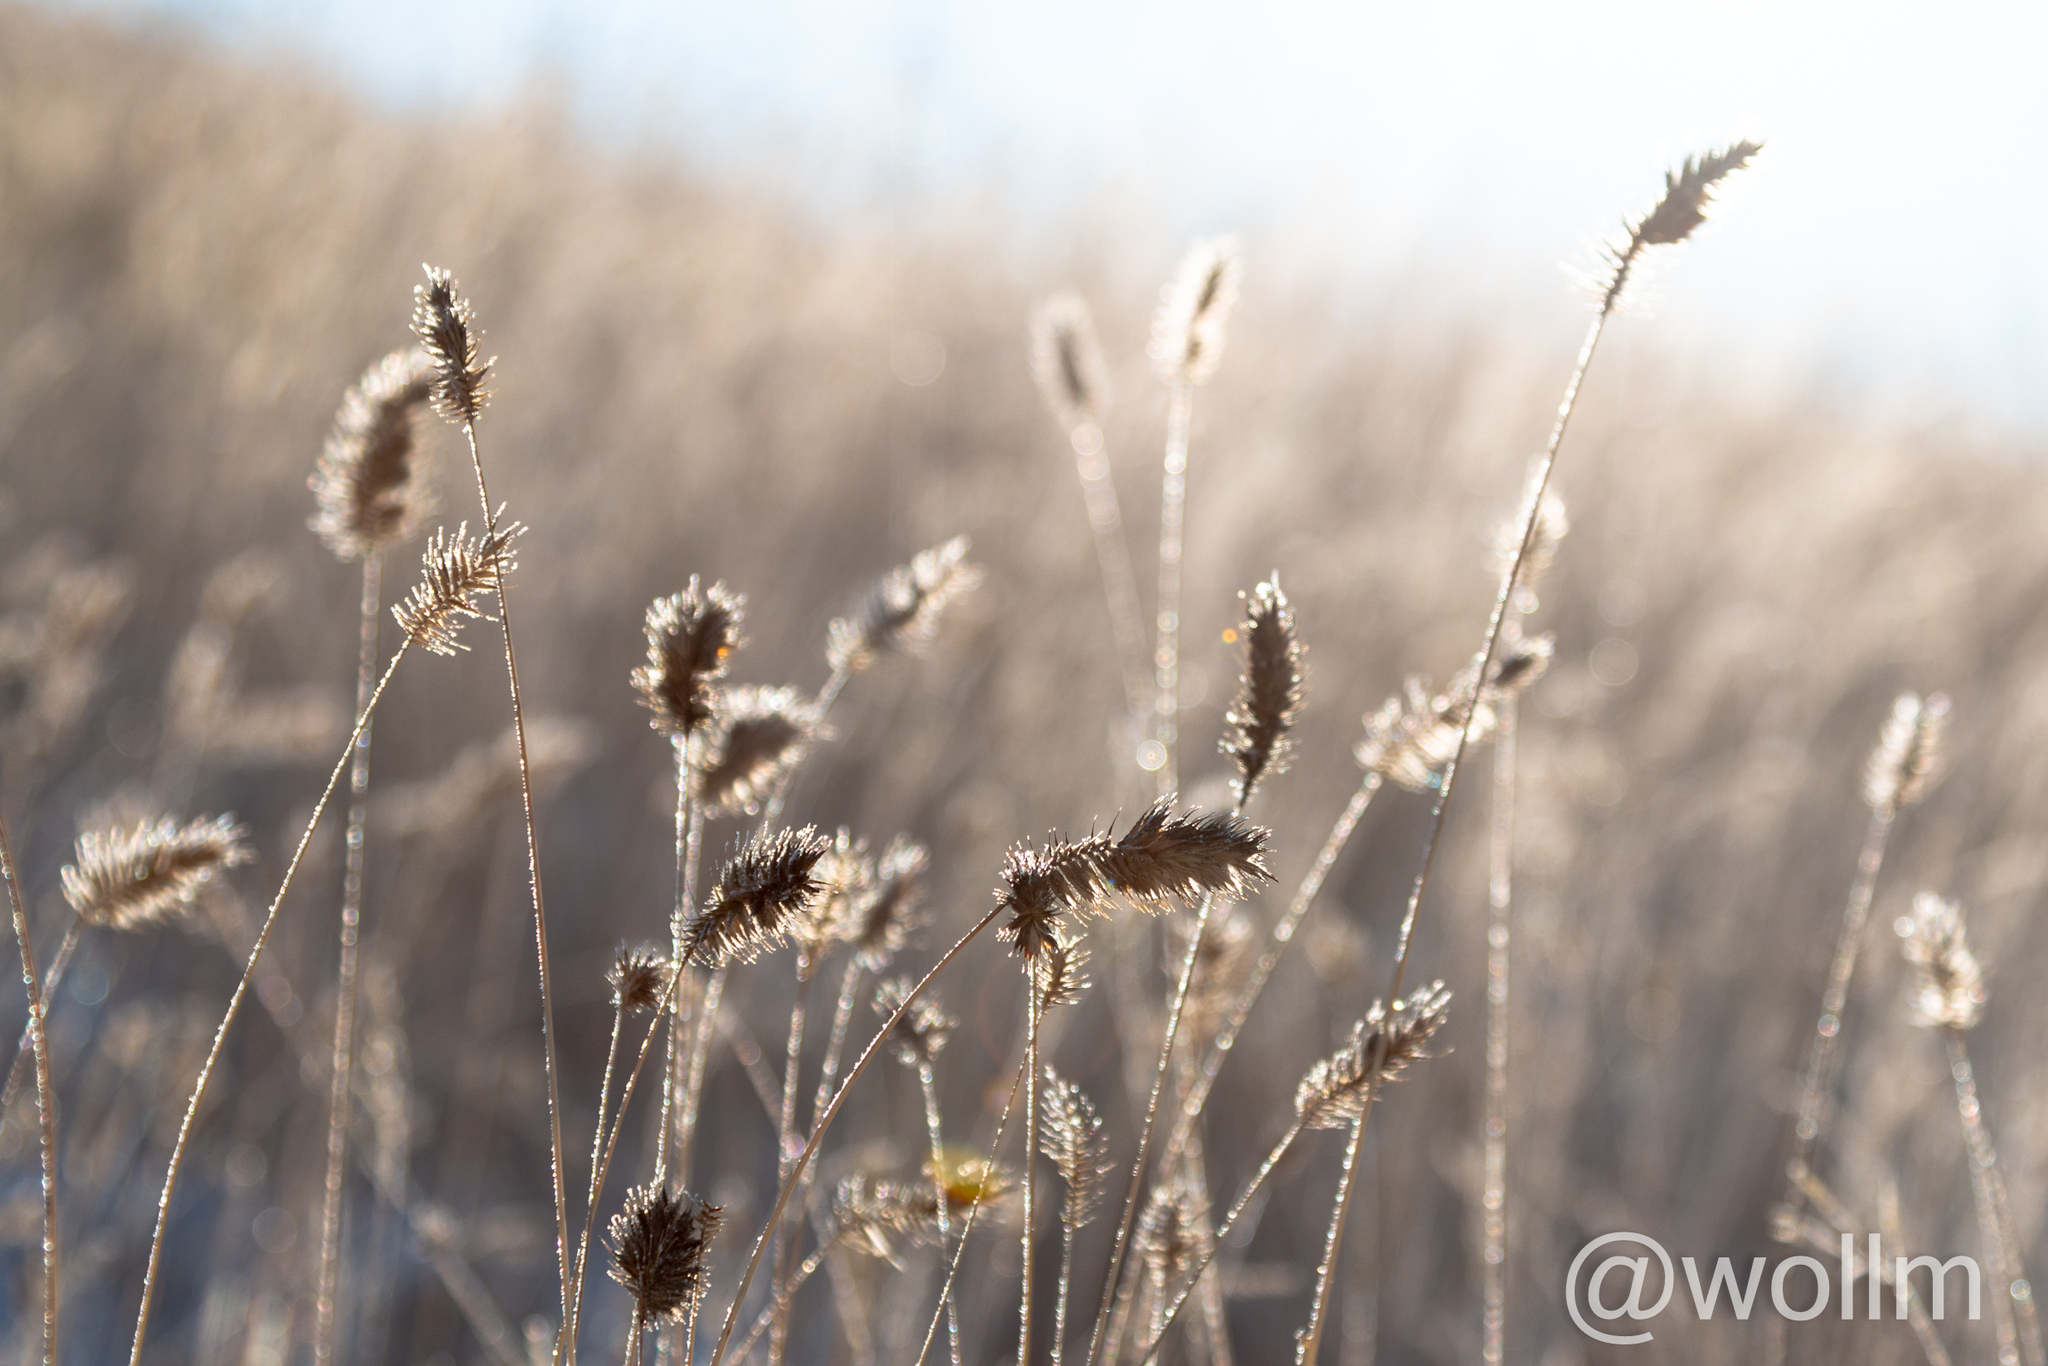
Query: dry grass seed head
(1907, 760)
(1075, 1144)
(877, 1212)
(1416, 733)
(766, 883)
(846, 879)
(133, 879)
(1165, 857)
(902, 610)
(690, 636)
(638, 976)
(659, 1243)
(894, 911)
(1058, 975)
(1066, 361)
(454, 573)
(446, 326)
(1948, 981)
(1189, 329)
(757, 737)
(1521, 662)
(369, 490)
(1269, 692)
(1173, 1233)
(1687, 192)
(1334, 1092)
(924, 1029)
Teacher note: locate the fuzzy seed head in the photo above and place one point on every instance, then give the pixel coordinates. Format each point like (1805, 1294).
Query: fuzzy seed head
(1521, 662)
(1066, 361)
(1333, 1094)
(1687, 192)
(1173, 1233)
(1269, 692)
(757, 736)
(134, 879)
(765, 886)
(446, 326)
(1414, 734)
(1907, 760)
(1075, 1143)
(895, 908)
(659, 1243)
(1948, 980)
(1553, 524)
(638, 977)
(690, 636)
(454, 572)
(902, 610)
(924, 1029)
(1189, 329)
(1059, 975)
(369, 488)
(1165, 857)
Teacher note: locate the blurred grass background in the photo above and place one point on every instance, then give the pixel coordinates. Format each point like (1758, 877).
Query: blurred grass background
(197, 257)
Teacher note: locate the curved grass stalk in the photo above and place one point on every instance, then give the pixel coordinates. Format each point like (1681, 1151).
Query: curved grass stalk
(220, 1035)
(46, 1097)
(540, 917)
(788, 1185)
(343, 1064)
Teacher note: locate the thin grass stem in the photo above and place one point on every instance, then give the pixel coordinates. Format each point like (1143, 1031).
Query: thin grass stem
(700, 1060)
(927, 1083)
(343, 1065)
(540, 918)
(1493, 1198)
(46, 1096)
(1031, 1013)
(220, 1035)
(1173, 490)
(967, 1225)
(24, 1052)
(1333, 1243)
(2012, 1307)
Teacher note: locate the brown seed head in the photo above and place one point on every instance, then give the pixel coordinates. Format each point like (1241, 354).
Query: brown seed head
(757, 737)
(1066, 361)
(455, 572)
(894, 911)
(924, 1029)
(1333, 1094)
(1687, 192)
(1269, 693)
(1075, 1143)
(659, 1243)
(902, 610)
(638, 977)
(369, 490)
(446, 327)
(1059, 975)
(1188, 331)
(1948, 981)
(1163, 858)
(766, 883)
(1907, 760)
(133, 879)
(690, 636)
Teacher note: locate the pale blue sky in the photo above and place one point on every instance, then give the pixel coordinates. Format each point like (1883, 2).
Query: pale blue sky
(1890, 242)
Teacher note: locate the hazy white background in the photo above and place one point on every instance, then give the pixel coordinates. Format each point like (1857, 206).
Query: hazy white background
(1889, 245)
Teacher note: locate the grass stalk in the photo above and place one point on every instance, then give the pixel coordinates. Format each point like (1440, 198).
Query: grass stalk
(46, 1096)
(927, 1083)
(1493, 1199)
(785, 1138)
(1333, 1243)
(24, 1051)
(220, 1035)
(540, 918)
(343, 1066)
(931, 1331)
(708, 1006)
(1173, 490)
(2013, 1317)
(1031, 1015)
(689, 851)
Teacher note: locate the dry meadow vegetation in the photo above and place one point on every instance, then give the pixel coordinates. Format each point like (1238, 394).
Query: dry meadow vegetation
(695, 393)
